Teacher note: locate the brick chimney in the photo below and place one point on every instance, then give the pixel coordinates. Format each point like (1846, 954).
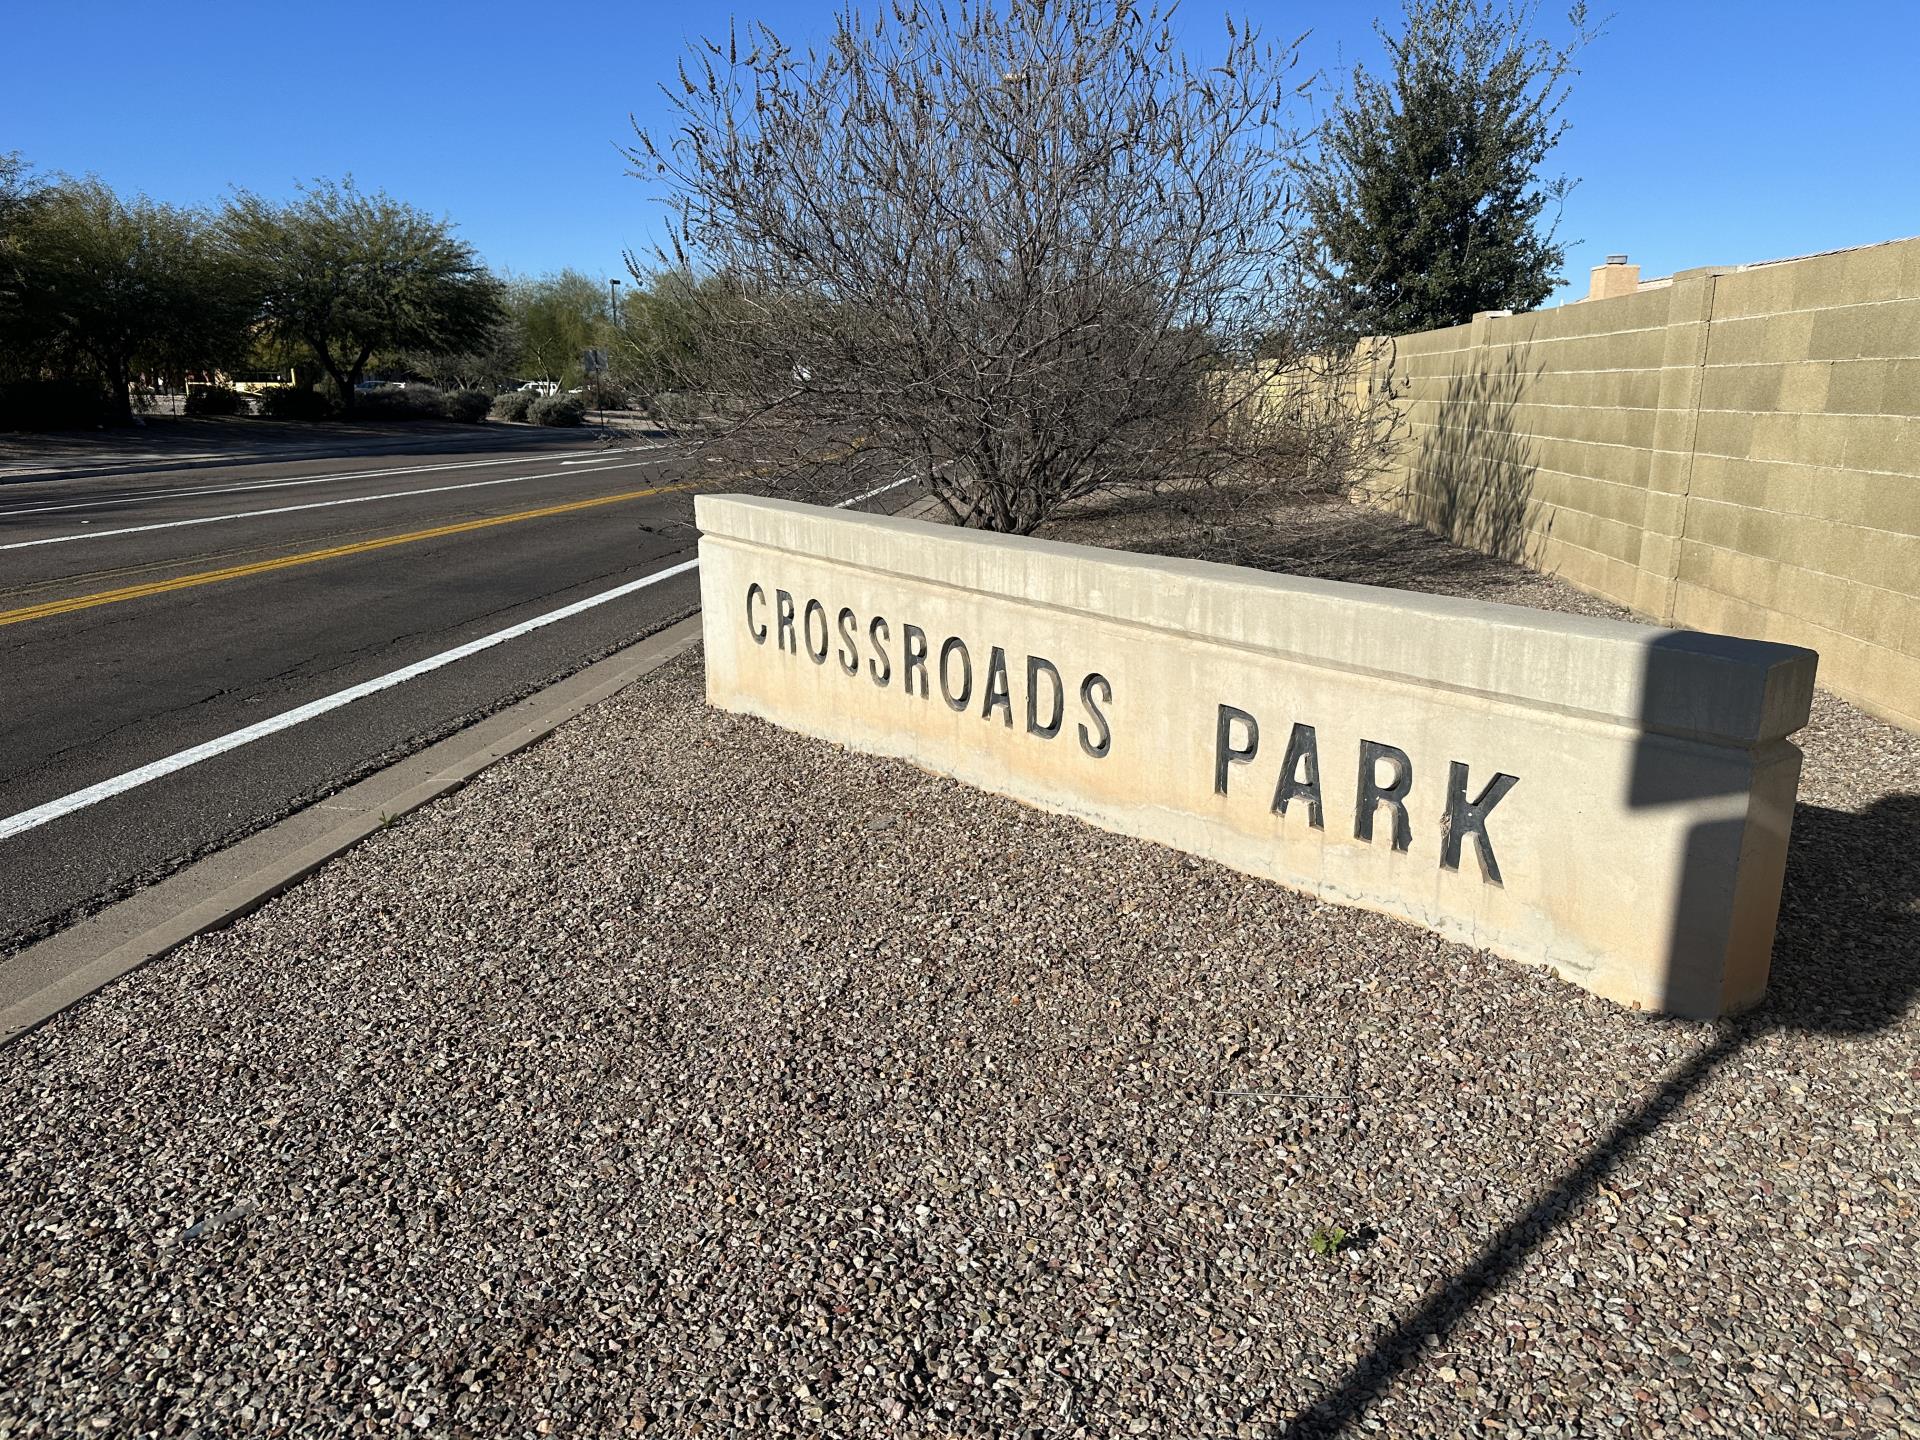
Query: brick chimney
(1616, 277)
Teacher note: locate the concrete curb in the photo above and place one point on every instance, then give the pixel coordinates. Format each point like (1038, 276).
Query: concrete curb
(46, 978)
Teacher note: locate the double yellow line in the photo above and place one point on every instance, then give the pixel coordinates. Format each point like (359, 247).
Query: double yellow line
(313, 557)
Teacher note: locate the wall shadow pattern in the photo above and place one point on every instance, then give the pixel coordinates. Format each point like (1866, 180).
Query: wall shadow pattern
(1472, 476)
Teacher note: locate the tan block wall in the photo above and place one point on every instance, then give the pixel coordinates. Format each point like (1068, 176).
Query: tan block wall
(1736, 451)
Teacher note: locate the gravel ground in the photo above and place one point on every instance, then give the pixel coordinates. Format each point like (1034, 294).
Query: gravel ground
(688, 1077)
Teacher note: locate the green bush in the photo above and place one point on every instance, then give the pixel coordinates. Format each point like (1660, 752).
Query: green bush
(294, 402)
(469, 407)
(409, 402)
(513, 405)
(558, 410)
(214, 400)
(51, 405)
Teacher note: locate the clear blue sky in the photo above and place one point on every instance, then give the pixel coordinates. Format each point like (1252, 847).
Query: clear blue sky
(1702, 133)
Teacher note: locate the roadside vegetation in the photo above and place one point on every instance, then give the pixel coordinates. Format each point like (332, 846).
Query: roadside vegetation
(95, 290)
(335, 304)
(351, 276)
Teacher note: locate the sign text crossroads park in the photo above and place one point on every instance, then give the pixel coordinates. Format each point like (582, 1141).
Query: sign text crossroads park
(865, 647)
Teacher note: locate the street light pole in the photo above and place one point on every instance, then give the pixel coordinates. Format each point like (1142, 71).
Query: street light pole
(613, 301)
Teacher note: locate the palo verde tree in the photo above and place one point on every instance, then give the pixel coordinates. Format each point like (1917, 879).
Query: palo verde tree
(109, 287)
(555, 320)
(657, 343)
(1426, 190)
(1026, 247)
(352, 275)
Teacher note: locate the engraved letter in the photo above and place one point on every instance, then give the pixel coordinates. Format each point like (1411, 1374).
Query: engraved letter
(1096, 748)
(996, 688)
(1464, 819)
(1036, 665)
(1302, 749)
(814, 607)
(1225, 752)
(1372, 792)
(783, 619)
(913, 657)
(849, 647)
(880, 667)
(954, 645)
(759, 632)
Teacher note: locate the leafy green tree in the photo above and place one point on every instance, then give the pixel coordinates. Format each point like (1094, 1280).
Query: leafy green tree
(1426, 193)
(556, 318)
(16, 187)
(15, 180)
(116, 287)
(353, 275)
(662, 319)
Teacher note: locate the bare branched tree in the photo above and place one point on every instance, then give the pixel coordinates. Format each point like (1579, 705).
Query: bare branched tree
(1028, 248)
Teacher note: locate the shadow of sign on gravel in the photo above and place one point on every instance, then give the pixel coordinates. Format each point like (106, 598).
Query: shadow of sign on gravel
(1846, 964)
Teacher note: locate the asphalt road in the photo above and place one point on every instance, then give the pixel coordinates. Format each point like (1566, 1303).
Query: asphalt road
(147, 615)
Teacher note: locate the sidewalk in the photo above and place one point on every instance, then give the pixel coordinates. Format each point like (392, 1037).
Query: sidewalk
(685, 1076)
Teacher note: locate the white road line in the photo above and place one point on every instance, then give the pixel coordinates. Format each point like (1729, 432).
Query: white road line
(877, 490)
(181, 759)
(607, 454)
(164, 494)
(193, 755)
(320, 505)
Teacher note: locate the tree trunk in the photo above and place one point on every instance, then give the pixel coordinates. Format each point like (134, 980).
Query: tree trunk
(122, 398)
(341, 382)
(350, 388)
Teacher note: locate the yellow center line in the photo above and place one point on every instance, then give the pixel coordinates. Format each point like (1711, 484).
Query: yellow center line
(311, 557)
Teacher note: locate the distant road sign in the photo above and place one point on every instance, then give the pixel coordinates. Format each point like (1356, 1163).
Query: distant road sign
(594, 361)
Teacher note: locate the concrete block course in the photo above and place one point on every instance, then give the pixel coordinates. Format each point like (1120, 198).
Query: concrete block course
(1889, 444)
(1724, 432)
(1741, 387)
(1901, 395)
(1761, 339)
(1589, 570)
(1500, 775)
(1890, 330)
(1804, 385)
(1765, 290)
(1858, 387)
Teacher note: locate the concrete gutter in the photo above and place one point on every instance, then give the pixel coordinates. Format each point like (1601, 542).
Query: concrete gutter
(47, 977)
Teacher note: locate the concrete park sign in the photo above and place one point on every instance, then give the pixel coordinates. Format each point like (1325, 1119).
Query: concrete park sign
(1608, 799)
